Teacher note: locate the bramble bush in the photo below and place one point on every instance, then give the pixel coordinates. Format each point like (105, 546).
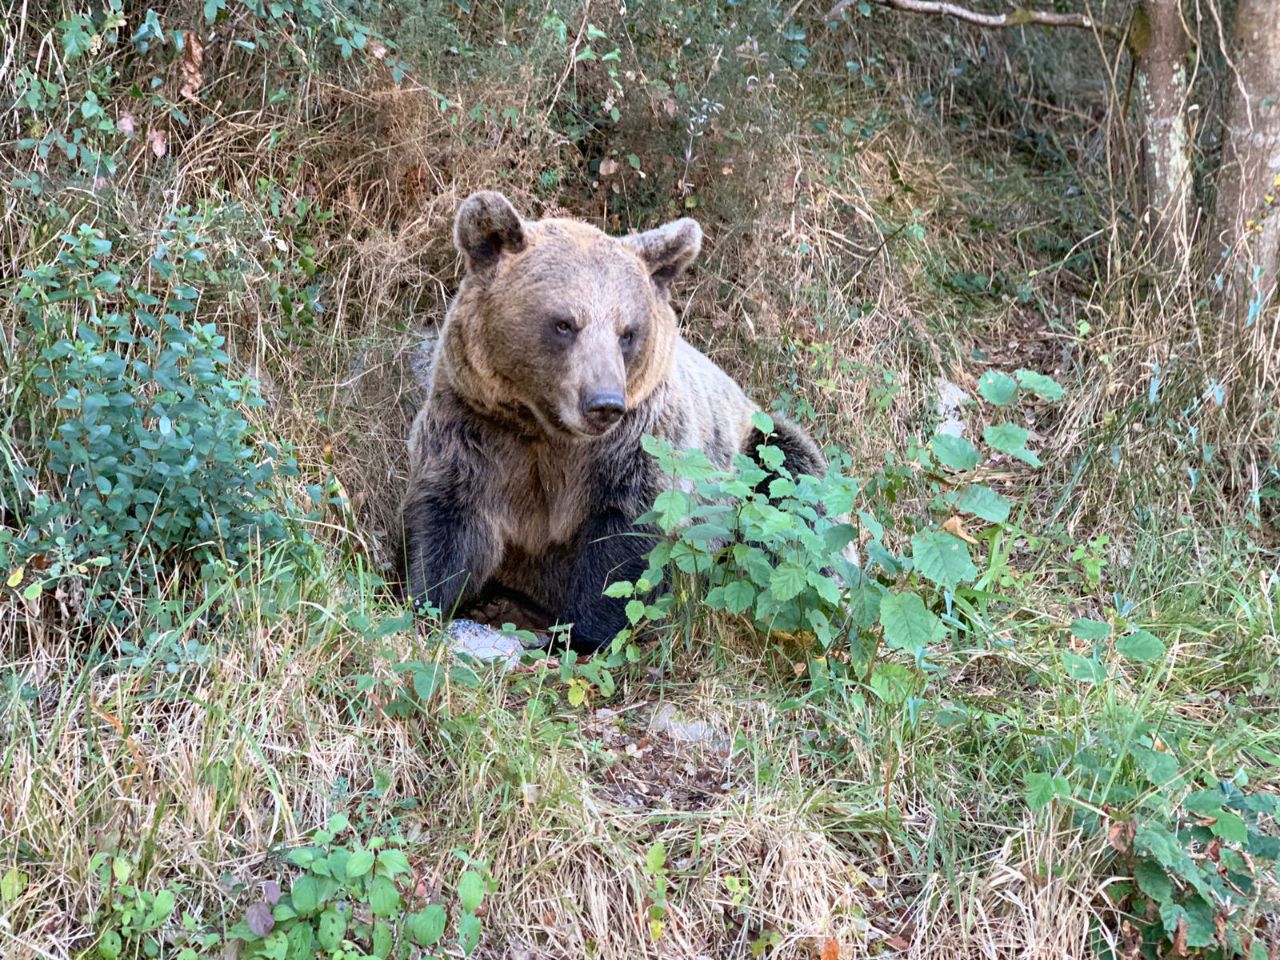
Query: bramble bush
(1203, 860)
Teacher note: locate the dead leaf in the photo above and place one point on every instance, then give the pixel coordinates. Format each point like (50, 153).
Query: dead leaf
(156, 141)
(955, 527)
(126, 124)
(1179, 947)
(192, 68)
(259, 920)
(831, 949)
(608, 167)
(1120, 835)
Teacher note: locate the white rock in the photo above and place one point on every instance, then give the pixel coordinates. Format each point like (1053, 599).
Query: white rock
(667, 721)
(951, 401)
(484, 643)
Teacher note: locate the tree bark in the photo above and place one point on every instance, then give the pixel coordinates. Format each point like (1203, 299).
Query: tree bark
(1246, 227)
(1158, 43)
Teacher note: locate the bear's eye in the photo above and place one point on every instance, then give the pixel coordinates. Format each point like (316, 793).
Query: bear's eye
(564, 327)
(626, 337)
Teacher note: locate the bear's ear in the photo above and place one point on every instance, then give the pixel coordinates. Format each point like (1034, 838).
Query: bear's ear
(486, 227)
(667, 250)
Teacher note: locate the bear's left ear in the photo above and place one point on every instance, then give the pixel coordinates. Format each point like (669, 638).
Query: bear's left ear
(486, 227)
(667, 250)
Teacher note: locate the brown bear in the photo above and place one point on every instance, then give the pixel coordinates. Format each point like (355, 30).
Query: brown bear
(558, 354)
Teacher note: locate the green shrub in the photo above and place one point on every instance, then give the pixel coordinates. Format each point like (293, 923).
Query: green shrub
(150, 459)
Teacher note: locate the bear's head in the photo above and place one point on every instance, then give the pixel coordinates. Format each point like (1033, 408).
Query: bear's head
(558, 319)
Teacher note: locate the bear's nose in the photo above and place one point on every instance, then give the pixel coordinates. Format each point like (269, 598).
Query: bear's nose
(602, 410)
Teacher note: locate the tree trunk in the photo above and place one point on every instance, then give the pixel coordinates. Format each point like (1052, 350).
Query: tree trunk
(1246, 227)
(1158, 44)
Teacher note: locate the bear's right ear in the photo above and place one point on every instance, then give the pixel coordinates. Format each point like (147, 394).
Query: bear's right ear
(486, 227)
(668, 250)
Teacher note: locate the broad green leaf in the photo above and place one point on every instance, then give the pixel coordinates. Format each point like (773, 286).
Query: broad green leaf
(161, 907)
(469, 929)
(1159, 768)
(1161, 843)
(1205, 802)
(984, 503)
(704, 533)
(786, 582)
(908, 624)
(1140, 645)
(739, 595)
(427, 927)
(893, 682)
(382, 940)
(635, 610)
(426, 681)
(825, 587)
(392, 862)
(1044, 788)
(301, 940)
(1198, 918)
(330, 928)
(954, 452)
(1086, 670)
(1230, 827)
(305, 894)
(619, 590)
(999, 388)
(470, 891)
(1011, 439)
(1153, 881)
(110, 945)
(1087, 629)
(384, 899)
(942, 558)
(762, 422)
(671, 506)
(338, 823)
(1046, 388)
(359, 863)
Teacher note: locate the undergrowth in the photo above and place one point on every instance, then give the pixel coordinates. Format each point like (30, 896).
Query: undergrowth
(1034, 720)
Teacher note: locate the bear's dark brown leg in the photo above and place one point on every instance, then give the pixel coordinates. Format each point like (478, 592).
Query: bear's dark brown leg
(452, 548)
(800, 455)
(611, 549)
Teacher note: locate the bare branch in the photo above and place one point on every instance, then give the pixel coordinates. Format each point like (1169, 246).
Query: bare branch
(1015, 18)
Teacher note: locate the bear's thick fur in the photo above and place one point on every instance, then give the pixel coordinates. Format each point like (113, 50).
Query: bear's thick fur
(558, 354)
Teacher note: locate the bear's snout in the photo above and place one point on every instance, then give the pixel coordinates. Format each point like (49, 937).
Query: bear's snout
(601, 409)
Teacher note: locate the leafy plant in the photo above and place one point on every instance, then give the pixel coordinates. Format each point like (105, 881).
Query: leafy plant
(773, 555)
(132, 921)
(147, 428)
(655, 867)
(1203, 859)
(352, 901)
